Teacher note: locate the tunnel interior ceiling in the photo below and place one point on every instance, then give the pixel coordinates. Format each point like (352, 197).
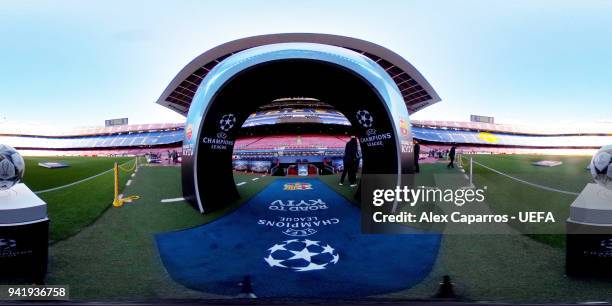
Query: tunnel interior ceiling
(356, 87)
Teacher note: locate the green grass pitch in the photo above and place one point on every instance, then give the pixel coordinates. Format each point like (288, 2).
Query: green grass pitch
(107, 253)
(505, 195)
(72, 208)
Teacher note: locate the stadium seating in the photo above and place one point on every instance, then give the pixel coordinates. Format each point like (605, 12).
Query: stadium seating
(291, 142)
(132, 139)
(504, 140)
(128, 137)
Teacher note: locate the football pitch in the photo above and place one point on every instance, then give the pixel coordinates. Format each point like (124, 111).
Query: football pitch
(117, 245)
(508, 196)
(72, 207)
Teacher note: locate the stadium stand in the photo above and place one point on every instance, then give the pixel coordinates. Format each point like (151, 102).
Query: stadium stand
(306, 127)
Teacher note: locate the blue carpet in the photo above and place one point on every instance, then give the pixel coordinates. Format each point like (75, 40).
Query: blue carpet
(308, 244)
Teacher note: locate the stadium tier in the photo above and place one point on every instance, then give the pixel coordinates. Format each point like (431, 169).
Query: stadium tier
(120, 140)
(509, 140)
(291, 142)
(134, 137)
(289, 115)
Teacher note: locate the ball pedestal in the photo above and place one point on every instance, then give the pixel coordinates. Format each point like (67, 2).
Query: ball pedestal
(24, 235)
(589, 234)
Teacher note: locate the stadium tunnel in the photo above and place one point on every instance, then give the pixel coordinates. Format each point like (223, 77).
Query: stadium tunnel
(222, 87)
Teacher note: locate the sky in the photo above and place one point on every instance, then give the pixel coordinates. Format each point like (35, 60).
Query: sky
(76, 63)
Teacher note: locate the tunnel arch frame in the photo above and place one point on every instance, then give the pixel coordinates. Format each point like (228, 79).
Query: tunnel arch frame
(417, 91)
(398, 141)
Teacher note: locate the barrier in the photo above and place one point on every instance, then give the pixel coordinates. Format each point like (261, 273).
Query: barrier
(119, 201)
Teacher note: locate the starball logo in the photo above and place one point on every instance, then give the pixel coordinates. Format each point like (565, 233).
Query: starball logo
(8, 248)
(219, 142)
(373, 138)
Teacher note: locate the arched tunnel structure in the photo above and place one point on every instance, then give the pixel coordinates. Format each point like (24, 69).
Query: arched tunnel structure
(373, 87)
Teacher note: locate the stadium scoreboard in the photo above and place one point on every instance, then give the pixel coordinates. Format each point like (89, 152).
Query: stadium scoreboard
(484, 119)
(119, 121)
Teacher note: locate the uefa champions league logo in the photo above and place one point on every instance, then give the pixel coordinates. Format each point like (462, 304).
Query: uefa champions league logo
(7, 244)
(302, 232)
(8, 247)
(227, 122)
(606, 244)
(365, 119)
(301, 255)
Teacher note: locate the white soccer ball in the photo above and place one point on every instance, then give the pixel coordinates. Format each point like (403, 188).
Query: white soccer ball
(12, 167)
(601, 167)
(364, 118)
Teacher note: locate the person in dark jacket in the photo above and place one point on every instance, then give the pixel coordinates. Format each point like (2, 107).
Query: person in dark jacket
(351, 162)
(417, 151)
(451, 156)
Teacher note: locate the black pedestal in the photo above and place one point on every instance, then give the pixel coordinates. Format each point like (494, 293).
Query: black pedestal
(24, 251)
(588, 250)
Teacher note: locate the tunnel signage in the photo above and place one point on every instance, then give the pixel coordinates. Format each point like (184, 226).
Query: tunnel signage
(301, 205)
(220, 141)
(373, 138)
(298, 226)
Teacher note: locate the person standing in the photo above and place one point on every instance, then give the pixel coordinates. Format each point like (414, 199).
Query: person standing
(417, 151)
(351, 162)
(451, 156)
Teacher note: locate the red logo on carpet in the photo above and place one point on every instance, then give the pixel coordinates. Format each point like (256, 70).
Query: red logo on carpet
(297, 186)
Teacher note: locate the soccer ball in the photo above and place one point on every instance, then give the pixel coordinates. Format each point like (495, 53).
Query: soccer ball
(12, 167)
(227, 122)
(601, 167)
(364, 118)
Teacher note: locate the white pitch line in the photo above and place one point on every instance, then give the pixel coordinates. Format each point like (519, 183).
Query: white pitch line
(75, 183)
(526, 182)
(172, 200)
(241, 183)
(255, 179)
(129, 182)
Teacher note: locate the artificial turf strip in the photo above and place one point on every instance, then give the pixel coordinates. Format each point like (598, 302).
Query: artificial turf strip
(116, 258)
(39, 178)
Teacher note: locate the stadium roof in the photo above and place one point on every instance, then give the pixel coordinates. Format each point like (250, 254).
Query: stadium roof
(415, 89)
